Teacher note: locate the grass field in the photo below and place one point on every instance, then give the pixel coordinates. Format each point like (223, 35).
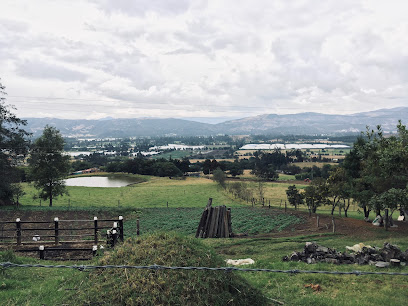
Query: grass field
(147, 201)
(336, 290)
(177, 154)
(156, 192)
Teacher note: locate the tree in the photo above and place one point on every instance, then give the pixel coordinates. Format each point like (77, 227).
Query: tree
(219, 176)
(235, 169)
(378, 164)
(267, 163)
(48, 165)
(315, 194)
(13, 147)
(295, 198)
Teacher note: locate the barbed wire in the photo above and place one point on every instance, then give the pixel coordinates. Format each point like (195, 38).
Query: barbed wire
(225, 269)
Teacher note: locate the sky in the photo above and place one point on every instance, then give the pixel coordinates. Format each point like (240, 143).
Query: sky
(214, 60)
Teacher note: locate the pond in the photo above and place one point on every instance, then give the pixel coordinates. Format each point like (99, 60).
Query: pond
(99, 181)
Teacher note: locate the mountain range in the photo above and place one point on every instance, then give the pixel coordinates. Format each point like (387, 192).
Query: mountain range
(270, 124)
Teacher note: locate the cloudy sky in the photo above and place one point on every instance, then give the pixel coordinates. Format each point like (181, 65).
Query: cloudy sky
(188, 59)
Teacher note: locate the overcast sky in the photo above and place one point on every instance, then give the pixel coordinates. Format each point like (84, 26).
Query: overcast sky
(178, 58)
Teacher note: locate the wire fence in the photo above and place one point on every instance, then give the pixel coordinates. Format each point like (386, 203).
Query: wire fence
(225, 269)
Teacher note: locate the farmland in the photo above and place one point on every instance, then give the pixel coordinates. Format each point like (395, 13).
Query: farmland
(272, 234)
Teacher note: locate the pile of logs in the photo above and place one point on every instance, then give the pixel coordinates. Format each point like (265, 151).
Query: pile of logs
(215, 222)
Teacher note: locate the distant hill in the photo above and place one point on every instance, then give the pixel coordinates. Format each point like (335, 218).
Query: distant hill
(299, 124)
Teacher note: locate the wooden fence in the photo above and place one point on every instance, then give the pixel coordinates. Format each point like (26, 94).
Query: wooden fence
(23, 233)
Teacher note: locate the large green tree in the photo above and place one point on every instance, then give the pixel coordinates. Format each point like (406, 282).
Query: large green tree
(378, 166)
(48, 165)
(13, 147)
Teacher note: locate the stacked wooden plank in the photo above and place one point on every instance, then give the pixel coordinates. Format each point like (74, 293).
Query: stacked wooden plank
(215, 222)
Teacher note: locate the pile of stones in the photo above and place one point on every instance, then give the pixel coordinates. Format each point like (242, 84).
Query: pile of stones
(388, 255)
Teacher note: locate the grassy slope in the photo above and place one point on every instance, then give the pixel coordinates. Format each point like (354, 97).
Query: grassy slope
(336, 290)
(192, 192)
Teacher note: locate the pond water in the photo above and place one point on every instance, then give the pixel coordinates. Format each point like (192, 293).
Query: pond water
(99, 181)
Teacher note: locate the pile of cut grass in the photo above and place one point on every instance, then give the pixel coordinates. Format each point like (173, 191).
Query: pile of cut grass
(165, 287)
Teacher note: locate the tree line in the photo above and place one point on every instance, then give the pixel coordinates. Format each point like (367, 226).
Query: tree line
(374, 174)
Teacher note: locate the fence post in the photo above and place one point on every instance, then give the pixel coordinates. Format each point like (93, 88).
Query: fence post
(18, 231)
(96, 230)
(121, 228)
(318, 221)
(56, 230)
(42, 251)
(334, 225)
(137, 227)
(114, 237)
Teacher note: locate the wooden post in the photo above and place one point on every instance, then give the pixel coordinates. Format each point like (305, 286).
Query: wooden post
(211, 220)
(18, 231)
(386, 220)
(121, 233)
(285, 206)
(41, 251)
(56, 230)
(137, 227)
(114, 237)
(96, 230)
(334, 225)
(229, 222)
(318, 220)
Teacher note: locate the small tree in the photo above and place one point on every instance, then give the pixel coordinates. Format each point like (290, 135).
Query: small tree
(219, 176)
(295, 198)
(315, 194)
(48, 166)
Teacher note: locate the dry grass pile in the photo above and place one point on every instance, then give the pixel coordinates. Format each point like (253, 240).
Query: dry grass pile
(166, 287)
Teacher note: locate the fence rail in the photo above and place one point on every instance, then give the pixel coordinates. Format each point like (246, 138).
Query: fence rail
(225, 269)
(29, 232)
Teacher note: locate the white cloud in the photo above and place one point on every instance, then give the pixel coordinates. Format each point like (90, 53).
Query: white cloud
(203, 58)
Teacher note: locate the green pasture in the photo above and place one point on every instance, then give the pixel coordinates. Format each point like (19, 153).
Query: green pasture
(156, 192)
(336, 289)
(177, 154)
(151, 192)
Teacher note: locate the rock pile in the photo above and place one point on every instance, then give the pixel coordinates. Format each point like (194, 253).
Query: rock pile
(389, 254)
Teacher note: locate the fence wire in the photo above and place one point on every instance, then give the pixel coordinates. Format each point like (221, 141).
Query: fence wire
(225, 269)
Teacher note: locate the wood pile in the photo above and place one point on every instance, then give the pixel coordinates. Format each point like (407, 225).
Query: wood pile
(215, 222)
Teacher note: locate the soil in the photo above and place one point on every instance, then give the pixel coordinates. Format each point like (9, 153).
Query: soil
(344, 226)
